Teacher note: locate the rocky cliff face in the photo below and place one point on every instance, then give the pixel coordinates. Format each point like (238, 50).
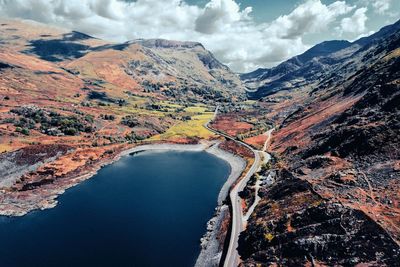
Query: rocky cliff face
(336, 149)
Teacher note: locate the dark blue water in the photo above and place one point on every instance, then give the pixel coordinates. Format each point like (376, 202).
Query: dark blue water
(149, 209)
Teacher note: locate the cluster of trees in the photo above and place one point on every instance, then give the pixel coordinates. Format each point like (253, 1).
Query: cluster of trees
(50, 122)
(107, 117)
(24, 130)
(150, 87)
(134, 137)
(196, 94)
(256, 130)
(130, 121)
(153, 106)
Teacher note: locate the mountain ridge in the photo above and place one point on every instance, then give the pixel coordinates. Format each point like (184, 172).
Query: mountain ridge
(323, 57)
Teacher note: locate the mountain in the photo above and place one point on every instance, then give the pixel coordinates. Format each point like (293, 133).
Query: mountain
(335, 189)
(314, 66)
(156, 63)
(183, 69)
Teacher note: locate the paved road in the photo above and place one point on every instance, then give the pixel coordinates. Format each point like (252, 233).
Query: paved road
(232, 256)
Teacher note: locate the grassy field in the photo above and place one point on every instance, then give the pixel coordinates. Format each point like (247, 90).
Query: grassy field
(196, 109)
(193, 128)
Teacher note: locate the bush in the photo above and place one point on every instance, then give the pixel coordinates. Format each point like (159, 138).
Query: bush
(25, 123)
(107, 117)
(89, 129)
(130, 121)
(133, 137)
(9, 120)
(89, 118)
(24, 131)
(70, 131)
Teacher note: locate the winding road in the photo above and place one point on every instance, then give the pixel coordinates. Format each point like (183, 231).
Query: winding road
(232, 255)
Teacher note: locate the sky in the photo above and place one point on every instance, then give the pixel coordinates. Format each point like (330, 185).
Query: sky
(243, 34)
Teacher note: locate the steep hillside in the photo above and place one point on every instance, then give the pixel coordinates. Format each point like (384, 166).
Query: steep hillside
(336, 168)
(183, 70)
(319, 64)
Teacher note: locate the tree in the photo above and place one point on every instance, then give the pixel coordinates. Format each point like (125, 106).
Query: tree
(70, 131)
(24, 131)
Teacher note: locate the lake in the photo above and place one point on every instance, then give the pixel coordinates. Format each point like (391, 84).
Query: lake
(147, 209)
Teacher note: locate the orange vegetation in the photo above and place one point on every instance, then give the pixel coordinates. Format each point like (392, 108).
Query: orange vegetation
(231, 125)
(256, 141)
(297, 133)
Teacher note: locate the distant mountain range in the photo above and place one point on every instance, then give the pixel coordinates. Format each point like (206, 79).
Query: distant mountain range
(315, 66)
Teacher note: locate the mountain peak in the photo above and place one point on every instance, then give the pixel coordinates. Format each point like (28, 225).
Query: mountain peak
(163, 43)
(77, 36)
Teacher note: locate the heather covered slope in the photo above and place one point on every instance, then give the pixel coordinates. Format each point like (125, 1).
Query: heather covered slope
(183, 70)
(335, 199)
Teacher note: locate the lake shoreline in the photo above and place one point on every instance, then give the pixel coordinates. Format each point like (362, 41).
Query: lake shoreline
(210, 245)
(46, 198)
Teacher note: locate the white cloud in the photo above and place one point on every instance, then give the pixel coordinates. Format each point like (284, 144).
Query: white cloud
(218, 13)
(222, 26)
(312, 16)
(356, 23)
(381, 6)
